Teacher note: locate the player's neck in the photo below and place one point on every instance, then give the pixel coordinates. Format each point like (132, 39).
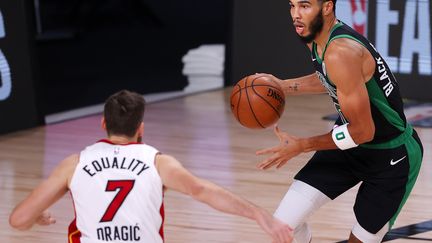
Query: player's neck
(115, 139)
(322, 38)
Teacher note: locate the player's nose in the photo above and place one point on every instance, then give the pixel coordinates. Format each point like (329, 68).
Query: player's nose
(295, 14)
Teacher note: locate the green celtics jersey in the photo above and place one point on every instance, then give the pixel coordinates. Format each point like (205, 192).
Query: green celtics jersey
(383, 89)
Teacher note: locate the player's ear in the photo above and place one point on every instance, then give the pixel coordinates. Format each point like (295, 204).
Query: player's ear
(328, 7)
(103, 123)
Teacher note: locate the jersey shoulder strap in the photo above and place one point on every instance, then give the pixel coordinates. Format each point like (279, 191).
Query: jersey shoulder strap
(341, 30)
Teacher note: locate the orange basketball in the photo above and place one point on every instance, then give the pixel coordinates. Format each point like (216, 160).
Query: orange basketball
(257, 101)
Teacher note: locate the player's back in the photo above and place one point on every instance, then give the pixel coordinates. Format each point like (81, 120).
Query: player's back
(117, 194)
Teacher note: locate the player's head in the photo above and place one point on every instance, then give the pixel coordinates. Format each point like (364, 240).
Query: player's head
(123, 113)
(309, 17)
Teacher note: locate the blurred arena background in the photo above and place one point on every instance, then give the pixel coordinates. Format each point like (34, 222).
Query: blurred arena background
(59, 60)
(60, 56)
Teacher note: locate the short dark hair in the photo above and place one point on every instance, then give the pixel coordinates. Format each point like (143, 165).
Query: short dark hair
(124, 112)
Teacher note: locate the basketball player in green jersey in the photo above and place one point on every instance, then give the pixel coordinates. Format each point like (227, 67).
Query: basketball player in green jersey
(371, 142)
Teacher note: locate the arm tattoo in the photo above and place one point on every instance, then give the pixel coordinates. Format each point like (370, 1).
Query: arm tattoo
(293, 87)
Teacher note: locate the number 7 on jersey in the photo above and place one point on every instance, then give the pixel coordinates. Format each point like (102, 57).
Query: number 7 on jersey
(125, 187)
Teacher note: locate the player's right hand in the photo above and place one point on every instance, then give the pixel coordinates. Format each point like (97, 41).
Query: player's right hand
(276, 79)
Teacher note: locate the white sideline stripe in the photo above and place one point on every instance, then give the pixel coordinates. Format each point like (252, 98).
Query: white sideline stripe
(95, 109)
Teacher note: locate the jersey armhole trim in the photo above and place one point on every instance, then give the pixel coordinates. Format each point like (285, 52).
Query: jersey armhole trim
(315, 53)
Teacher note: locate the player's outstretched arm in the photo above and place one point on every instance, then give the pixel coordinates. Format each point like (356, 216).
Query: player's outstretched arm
(309, 84)
(176, 177)
(33, 208)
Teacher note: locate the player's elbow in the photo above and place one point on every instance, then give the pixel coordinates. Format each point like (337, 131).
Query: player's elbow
(203, 191)
(19, 221)
(197, 189)
(366, 134)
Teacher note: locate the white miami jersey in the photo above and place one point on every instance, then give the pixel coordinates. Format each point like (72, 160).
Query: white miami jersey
(117, 194)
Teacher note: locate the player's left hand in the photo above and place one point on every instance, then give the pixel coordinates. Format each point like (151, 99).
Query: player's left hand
(45, 219)
(288, 148)
(279, 231)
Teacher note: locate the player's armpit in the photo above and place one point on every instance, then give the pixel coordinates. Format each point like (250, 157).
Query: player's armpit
(44, 195)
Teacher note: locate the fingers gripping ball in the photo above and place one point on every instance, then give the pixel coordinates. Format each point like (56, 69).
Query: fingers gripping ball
(257, 101)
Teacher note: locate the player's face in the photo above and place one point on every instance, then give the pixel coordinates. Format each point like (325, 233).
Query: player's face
(307, 17)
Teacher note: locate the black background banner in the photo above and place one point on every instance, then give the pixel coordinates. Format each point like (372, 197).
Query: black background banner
(18, 109)
(263, 40)
(409, 31)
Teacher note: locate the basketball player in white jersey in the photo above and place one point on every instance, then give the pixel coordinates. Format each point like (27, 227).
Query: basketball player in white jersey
(117, 186)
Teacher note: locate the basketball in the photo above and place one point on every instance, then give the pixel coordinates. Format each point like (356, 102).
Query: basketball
(257, 101)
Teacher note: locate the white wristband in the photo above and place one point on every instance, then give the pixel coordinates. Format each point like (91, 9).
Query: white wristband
(342, 138)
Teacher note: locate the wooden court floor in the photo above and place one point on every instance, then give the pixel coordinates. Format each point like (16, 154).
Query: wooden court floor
(200, 131)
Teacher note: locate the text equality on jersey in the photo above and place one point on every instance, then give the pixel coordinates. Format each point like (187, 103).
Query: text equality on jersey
(124, 163)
